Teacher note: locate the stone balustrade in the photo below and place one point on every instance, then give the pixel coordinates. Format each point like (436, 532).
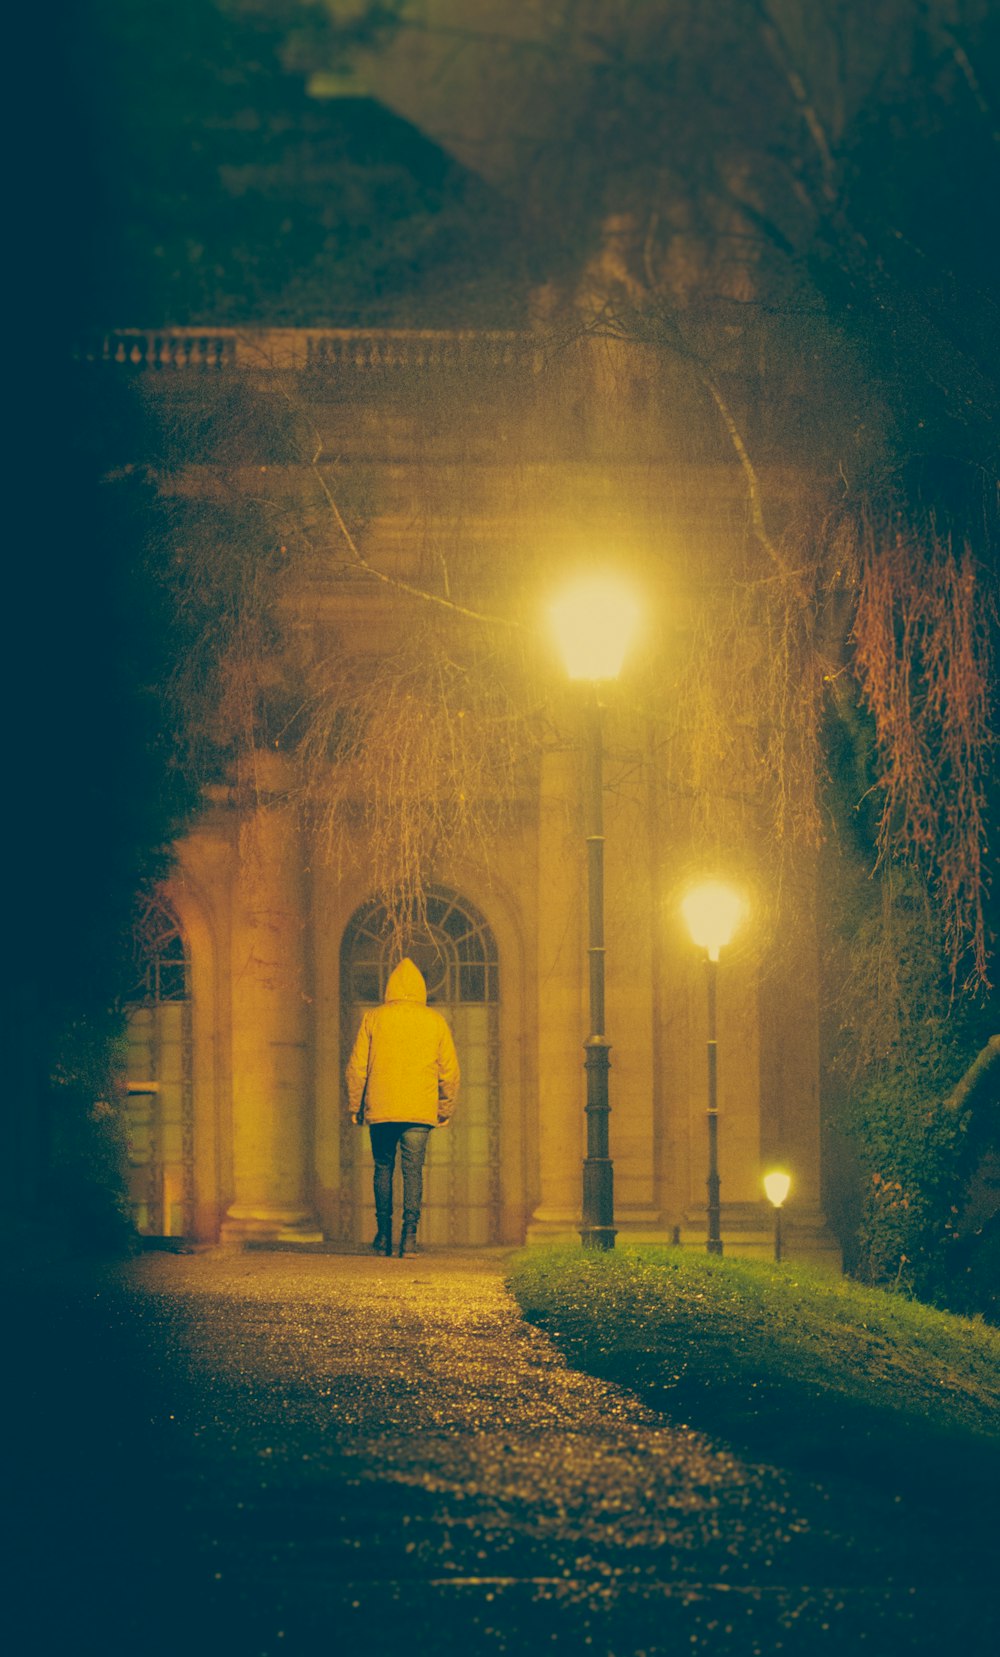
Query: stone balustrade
(208, 350)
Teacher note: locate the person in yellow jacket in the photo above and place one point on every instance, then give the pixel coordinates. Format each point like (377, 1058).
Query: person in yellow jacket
(402, 1081)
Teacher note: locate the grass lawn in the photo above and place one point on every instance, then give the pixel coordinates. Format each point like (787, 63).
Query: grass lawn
(811, 1371)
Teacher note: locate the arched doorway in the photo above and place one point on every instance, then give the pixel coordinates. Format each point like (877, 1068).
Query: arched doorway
(159, 1110)
(455, 950)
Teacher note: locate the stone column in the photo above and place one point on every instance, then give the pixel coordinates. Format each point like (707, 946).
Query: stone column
(270, 1035)
(561, 1011)
(634, 925)
(791, 1135)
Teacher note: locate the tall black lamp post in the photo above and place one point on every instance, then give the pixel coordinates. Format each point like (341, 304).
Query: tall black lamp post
(594, 622)
(712, 912)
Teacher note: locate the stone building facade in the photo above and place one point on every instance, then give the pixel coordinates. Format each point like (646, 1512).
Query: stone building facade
(263, 952)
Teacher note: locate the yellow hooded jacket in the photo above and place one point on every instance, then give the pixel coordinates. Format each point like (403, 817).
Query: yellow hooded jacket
(403, 1066)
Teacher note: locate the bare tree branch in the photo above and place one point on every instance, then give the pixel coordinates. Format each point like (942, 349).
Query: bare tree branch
(972, 81)
(754, 493)
(778, 47)
(396, 581)
(443, 601)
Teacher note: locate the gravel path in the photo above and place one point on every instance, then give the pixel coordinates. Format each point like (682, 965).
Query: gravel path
(262, 1453)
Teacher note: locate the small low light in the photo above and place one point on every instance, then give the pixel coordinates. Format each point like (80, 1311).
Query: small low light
(777, 1185)
(712, 912)
(594, 622)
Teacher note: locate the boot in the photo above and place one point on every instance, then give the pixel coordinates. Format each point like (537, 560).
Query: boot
(382, 1242)
(408, 1238)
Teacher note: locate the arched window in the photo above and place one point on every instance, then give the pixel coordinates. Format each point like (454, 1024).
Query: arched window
(450, 943)
(159, 1117)
(161, 968)
(455, 950)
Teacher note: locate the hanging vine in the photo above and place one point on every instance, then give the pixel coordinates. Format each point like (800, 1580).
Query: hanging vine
(923, 656)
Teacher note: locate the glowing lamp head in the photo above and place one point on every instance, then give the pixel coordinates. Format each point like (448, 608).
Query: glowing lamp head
(777, 1185)
(594, 623)
(712, 912)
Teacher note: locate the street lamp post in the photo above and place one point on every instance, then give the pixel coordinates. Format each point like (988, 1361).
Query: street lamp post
(777, 1185)
(712, 912)
(598, 1229)
(594, 622)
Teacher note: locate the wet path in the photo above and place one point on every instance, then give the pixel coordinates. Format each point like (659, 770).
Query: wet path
(268, 1453)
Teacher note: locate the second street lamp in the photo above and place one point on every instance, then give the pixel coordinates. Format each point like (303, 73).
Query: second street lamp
(594, 622)
(777, 1185)
(712, 912)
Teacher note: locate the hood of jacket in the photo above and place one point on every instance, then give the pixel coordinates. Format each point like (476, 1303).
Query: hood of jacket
(406, 983)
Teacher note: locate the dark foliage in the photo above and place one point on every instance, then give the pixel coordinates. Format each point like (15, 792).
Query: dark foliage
(228, 195)
(899, 1038)
(95, 792)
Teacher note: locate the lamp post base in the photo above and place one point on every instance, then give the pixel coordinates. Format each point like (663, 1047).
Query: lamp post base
(270, 1223)
(748, 1229)
(598, 1236)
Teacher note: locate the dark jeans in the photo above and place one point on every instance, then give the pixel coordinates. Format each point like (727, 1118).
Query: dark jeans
(411, 1137)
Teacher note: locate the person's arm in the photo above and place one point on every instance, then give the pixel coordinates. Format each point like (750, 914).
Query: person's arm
(357, 1071)
(449, 1075)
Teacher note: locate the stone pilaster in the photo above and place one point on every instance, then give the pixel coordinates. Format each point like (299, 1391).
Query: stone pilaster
(562, 1015)
(270, 1037)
